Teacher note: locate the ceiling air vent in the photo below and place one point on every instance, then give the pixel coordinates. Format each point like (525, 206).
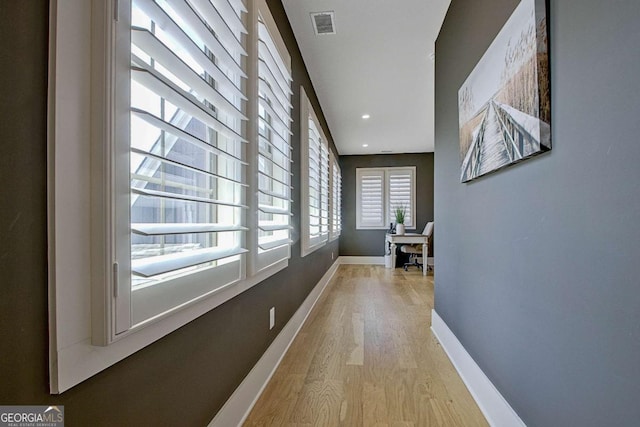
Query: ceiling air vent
(323, 22)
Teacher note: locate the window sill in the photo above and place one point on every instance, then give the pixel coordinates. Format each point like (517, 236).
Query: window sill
(311, 249)
(382, 228)
(81, 360)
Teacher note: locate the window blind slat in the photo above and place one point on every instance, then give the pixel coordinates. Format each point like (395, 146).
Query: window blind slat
(177, 196)
(274, 210)
(275, 227)
(273, 244)
(181, 228)
(153, 266)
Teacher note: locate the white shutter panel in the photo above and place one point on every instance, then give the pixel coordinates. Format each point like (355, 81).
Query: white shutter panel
(401, 190)
(336, 195)
(324, 190)
(318, 202)
(186, 158)
(274, 154)
(370, 198)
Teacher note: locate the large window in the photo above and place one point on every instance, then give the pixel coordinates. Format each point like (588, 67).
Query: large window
(186, 194)
(274, 147)
(316, 179)
(379, 191)
(189, 105)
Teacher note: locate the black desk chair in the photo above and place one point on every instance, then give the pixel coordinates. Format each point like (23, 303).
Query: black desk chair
(415, 251)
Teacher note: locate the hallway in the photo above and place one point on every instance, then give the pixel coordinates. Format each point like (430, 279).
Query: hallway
(365, 357)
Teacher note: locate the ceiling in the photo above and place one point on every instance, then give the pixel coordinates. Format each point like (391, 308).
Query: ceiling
(379, 62)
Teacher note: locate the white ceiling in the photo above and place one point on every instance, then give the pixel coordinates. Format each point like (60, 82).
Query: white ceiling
(378, 63)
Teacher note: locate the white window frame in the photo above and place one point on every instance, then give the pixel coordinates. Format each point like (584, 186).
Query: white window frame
(82, 107)
(384, 174)
(312, 241)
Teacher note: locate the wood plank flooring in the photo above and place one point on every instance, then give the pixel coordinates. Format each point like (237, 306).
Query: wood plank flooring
(366, 357)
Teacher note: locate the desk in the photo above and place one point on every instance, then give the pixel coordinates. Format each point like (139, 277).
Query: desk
(411, 239)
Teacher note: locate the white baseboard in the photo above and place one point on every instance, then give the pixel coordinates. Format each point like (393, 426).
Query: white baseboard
(237, 408)
(368, 260)
(495, 408)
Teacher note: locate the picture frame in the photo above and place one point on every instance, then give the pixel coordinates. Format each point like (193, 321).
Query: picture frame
(504, 105)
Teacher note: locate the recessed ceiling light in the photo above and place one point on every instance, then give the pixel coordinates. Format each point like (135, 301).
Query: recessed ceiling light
(365, 145)
(365, 116)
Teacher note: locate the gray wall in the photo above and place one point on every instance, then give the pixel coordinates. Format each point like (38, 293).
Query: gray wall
(180, 380)
(537, 267)
(371, 242)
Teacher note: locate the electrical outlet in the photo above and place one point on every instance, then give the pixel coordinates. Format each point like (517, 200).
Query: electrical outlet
(272, 317)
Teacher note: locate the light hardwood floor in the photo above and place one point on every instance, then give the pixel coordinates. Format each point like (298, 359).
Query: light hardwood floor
(366, 357)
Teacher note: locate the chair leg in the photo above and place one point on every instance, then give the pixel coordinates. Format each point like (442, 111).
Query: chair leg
(407, 264)
(413, 260)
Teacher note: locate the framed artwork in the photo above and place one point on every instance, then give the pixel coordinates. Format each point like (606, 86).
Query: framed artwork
(504, 106)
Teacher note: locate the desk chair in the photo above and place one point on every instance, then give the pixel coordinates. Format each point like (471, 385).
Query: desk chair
(415, 251)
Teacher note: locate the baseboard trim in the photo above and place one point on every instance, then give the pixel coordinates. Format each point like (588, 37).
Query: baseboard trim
(367, 260)
(493, 405)
(237, 408)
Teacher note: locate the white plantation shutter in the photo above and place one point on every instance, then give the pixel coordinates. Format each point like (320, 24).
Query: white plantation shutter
(401, 191)
(324, 190)
(336, 197)
(370, 198)
(274, 154)
(187, 187)
(318, 185)
(316, 176)
(314, 186)
(379, 191)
